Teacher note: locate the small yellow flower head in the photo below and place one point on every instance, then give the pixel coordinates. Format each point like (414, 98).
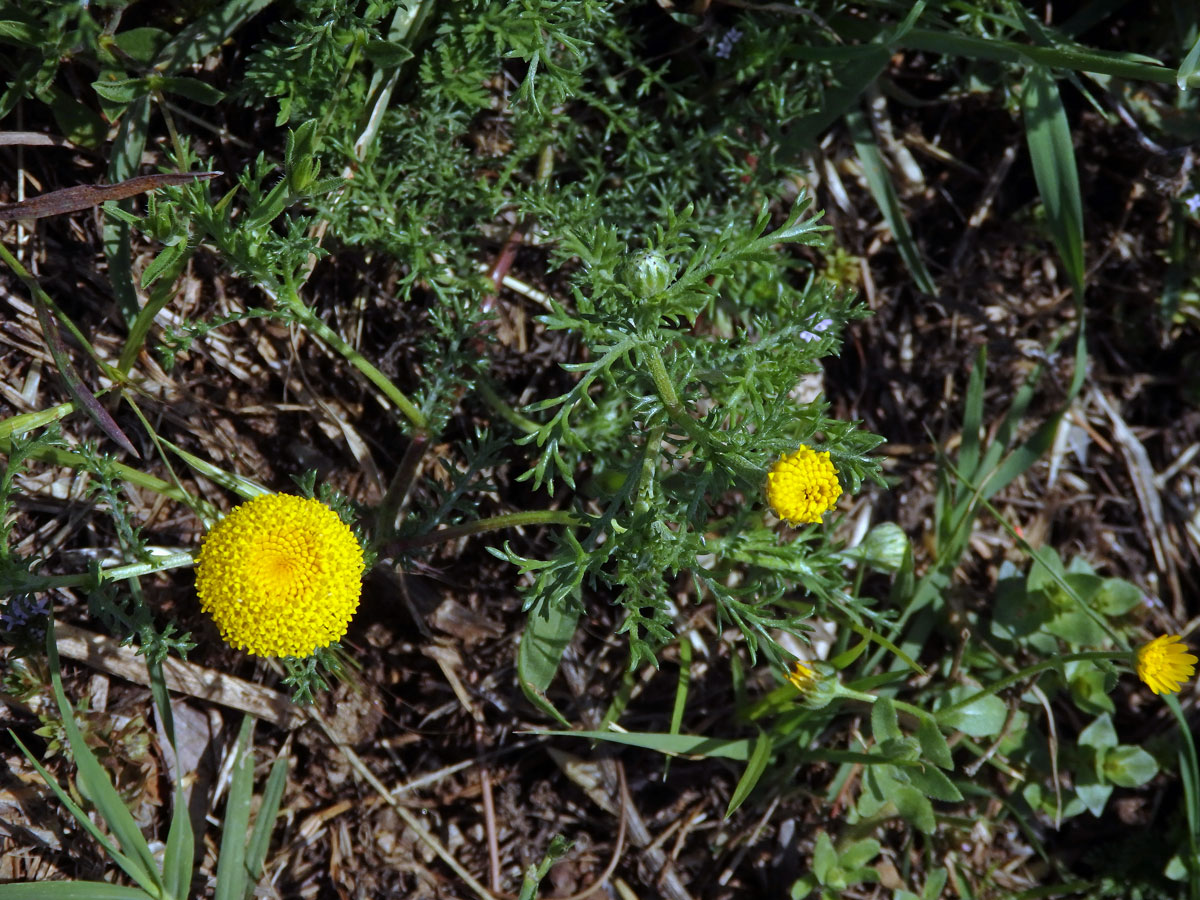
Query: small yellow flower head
(816, 681)
(802, 676)
(280, 576)
(1164, 664)
(803, 487)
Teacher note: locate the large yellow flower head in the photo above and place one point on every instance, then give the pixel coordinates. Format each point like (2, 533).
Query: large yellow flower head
(280, 576)
(1165, 664)
(803, 487)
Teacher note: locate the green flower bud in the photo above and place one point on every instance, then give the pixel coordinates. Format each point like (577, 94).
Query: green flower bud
(816, 681)
(884, 547)
(162, 223)
(647, 273)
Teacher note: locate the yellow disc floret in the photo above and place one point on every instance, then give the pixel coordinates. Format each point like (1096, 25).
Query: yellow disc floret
(280, 576)
(1164, 664)
(803, 487)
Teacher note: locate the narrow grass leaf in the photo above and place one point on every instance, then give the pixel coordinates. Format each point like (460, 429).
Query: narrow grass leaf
(71, 890)
(232, 877)
(129, 866)
(681, 691)
(883, 642)
(968, 454)
(96, 786)
(264, 823)
(1188, 67)
(1189, 774)
(124, 162)
(757, 764)
(884, 192)
(1022, 459)
(677, 744)
(1049, 138)
(681, 686)
(81, 392)
(239, 484)
(1130, 66)
(60, 457)
(179, 858)
(15, 426)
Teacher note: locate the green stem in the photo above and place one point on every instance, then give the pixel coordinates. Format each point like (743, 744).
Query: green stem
(173, 560)
(506, 412)
(314, 324)
(494, 523)
(666, 392)
(663, 383)
(1036, 669)
(899, 704)
(1005, 682)
(387, 516)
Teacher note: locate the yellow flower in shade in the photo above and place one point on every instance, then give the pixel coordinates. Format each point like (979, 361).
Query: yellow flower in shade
(803, 487)
(280, 576)
(1165, 664)
(816, 681)
(802, 676)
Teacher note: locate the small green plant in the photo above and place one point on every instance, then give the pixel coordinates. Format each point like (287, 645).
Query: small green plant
(834, 870)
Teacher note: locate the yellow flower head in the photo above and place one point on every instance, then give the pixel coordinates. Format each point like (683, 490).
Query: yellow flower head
(816, 681)
(803, 487)
(280, 576)
(802, 676)
(1164, 664)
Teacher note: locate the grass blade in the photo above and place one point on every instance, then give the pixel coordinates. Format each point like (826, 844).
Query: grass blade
(678, 744)
(968, 454)
(880, 183)
(1188, 67)
(681, 691)
(96, 786)
(759, 757)
(239, 484)
(232, 878)
(15, 426)
(126, 158)
(129, 866)
(70, 890)
(264, 823)
(1189, 774)
(1053, 157)
(179, 858)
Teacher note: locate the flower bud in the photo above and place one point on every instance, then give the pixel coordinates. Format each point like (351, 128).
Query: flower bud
(647, 273)
(884, 547)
